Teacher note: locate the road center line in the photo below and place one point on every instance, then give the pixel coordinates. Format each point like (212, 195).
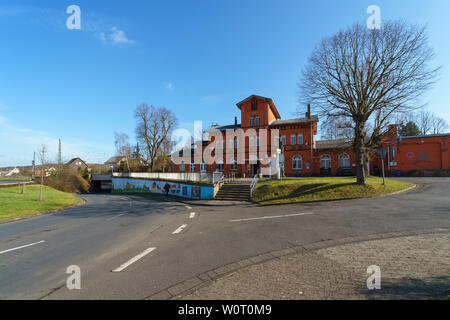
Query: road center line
(21, 247)
(115, 217)
(272, 217)
(180, 229)
(192, 215)
(133, 260)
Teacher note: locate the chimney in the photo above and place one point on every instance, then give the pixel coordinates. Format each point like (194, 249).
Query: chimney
(308, 114)
(235, 121)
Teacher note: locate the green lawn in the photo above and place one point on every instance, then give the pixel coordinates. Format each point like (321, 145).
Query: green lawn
(15, 179)
(292, 190)
(15, 205)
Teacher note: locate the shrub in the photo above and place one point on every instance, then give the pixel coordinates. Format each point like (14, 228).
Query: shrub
(68, 181)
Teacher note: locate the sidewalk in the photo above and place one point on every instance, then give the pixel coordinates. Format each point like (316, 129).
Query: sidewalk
(412, 267)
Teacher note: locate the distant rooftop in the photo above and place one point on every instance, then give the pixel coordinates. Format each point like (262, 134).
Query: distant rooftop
(294, 121)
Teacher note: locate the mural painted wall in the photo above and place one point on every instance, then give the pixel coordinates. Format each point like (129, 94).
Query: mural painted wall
(157, 186)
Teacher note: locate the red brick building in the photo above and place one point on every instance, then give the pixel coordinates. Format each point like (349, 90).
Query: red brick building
(239, 148)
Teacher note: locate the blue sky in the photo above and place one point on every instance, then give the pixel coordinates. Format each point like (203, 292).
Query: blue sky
(198, 58)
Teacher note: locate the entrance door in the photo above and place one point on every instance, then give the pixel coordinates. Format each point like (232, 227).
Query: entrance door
(254, 169)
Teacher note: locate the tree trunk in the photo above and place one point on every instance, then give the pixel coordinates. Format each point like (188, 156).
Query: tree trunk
(360, 154)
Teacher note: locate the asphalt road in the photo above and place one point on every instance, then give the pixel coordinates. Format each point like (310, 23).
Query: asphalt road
(153, 243)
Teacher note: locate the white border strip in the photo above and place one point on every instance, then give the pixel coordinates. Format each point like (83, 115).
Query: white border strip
(272, 217)
(21, 247)
(180, 229)
(133, 260)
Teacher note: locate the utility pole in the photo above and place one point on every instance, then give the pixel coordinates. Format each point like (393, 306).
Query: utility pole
(59, 154)
(34, 166)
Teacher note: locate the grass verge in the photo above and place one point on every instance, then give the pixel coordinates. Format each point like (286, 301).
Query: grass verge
(292, 190)
(15, 205)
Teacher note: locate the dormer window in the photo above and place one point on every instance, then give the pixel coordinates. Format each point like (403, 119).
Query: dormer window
(255, 104)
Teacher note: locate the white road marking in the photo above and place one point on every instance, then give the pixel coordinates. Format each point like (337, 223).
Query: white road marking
(21, 247)
(115, 217)
(133, 260)
(192, 215)
(188, 207)
(180, 229)
(272, 217)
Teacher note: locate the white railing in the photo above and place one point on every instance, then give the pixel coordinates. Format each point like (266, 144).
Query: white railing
(221, 180)
(180, 176)
(253, 184)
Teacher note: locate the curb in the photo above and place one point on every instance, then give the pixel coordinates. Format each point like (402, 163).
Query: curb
(190, 285)
(34, 215)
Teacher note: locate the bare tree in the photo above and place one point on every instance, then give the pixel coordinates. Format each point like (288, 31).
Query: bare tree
(336, 128)
(42, 153)
(123, 148)
(367, 76)
(439, 125)
(153, 127)
(425, 121)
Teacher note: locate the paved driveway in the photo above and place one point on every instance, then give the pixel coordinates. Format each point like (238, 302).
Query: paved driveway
(160, 248)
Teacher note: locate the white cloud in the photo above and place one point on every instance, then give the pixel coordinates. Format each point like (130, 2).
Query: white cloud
(115, 36)
(169, 85)
(119, 36)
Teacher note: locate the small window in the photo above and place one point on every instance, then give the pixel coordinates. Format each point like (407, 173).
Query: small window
(297, 163)
(233, 166)
(236, 143)
(257, 120)
(292, 139)
(251, 121)
(255, 104)
(203, 166)
(182, 168)
(220, 165)
(283, 140)
(344, 161)
(192, 166)
(257, 141)
(250, 142)
(300, 138)
(325, 162)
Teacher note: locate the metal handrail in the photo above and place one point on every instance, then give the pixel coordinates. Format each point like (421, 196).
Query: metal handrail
(221, 180)
(253, 184)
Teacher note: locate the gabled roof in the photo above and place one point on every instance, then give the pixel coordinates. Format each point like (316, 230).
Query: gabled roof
(333, 144)
(294, 121)
(230, 126)
(76, 159)
(114, 160)
(269, 100)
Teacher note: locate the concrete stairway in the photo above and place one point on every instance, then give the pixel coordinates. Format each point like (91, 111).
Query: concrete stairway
(235, 191)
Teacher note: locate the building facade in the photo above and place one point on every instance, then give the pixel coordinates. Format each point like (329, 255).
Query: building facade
(253, 146)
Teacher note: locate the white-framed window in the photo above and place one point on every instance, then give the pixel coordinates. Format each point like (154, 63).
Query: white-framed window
(233, 166)
(300, 138)
(292, 139)
(182, 167)
(257, 120)
(192, 166)
(250, 141)
(344, 161)
(220, 165)
(257, 141)
(252, 121)
(283, 140)
(325, 161)
(203, 166)
(297, 162)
